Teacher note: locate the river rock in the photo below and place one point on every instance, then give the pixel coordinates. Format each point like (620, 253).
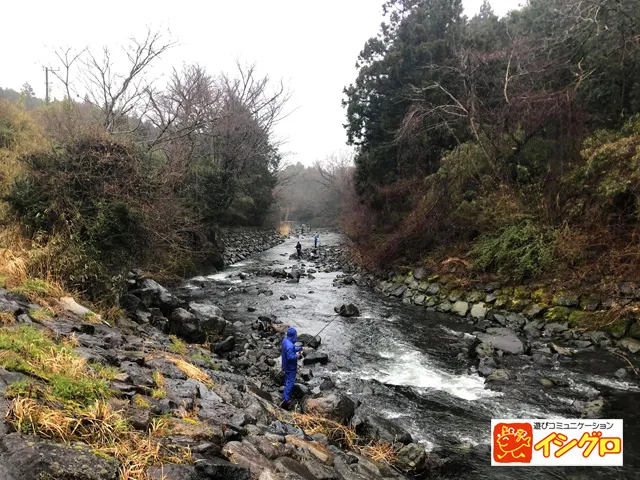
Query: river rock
(349, 310)
(380, 428)
(552, 329)
(289, 466)
(152, 294)
(502, 339)
(172, 472)
(333, 406)
(309, 340)
(224, 346)
(398, 291)
(433, 288)
(186, 325)
(419, 299)
(246, 455)
(215, 468)
(460, 308)
(560, 350)
(630, 344)
(591, 409)
(210, 316)
(479, 310)
(634, 330)
(621, 373)
(444, 307)
(315, 357)
(567, 300)
(411, 457)
(500, 375)
(28, 458)
(600, 338)
(316, 449)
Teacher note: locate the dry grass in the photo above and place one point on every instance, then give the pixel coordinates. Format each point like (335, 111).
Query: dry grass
(381, 452)
(6, 319)
(333, 430)
(377, 451)
(101, 428)
(190, 370)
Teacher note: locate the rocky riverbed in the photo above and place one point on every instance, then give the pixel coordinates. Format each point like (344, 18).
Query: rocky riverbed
(426, 383)
(438, 376)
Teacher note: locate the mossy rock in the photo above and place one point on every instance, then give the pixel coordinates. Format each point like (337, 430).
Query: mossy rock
(455, 295)
(557, 314)
(507, 291)
(475, 296)
(567, 300)
(541, 297)
(433, 279)
(502, 301)
(519, 304)
(580, 318)
(521, 293)
(618, 329)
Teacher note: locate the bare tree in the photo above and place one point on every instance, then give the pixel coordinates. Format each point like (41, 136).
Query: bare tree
(334, 173)
(67, 58)
(123, 94)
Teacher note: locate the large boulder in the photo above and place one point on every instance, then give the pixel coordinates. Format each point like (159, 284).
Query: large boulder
(411, 457)
(186, 325)
(152, 294)
(195, 328)
(460, 308)
(334, 407)
(309, 340)
(313, 448)
(502, 339)
(27, 458)
(349, 310)
(210, 316)
(380, 428)
(246, 455)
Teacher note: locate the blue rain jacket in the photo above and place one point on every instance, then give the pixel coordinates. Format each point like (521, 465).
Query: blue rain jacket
(289, 350)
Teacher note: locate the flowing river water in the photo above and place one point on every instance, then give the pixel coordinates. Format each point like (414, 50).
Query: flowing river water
(400, 362)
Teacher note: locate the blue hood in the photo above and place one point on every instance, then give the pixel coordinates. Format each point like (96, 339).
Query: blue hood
(292, 334)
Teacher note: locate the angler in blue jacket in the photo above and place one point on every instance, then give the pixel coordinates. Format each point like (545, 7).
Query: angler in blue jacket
(290, 356)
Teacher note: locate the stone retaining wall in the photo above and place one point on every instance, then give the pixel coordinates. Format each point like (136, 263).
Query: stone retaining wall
(239, 243)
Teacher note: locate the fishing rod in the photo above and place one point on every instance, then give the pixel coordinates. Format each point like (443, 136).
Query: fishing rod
(322, 330)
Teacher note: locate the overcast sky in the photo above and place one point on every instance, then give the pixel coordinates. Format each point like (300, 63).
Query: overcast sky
(312, 46)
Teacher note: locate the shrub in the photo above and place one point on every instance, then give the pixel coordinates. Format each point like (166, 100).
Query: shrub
(85, 205)
(523, 250)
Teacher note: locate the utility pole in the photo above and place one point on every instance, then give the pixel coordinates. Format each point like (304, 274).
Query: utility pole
(46, 82)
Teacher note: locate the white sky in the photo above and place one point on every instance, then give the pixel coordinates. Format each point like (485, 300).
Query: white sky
(312, 46)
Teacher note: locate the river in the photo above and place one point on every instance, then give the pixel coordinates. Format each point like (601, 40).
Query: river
(401, 362)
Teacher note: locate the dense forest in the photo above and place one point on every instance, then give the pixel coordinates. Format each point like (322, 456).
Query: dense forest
(126, 172)
(509, 142)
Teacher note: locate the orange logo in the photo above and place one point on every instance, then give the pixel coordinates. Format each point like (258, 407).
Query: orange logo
(512, 442)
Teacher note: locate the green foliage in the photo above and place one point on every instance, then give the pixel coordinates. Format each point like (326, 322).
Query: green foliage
(523, 250)
(177, 346)
(83, 391)
(86, 201)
